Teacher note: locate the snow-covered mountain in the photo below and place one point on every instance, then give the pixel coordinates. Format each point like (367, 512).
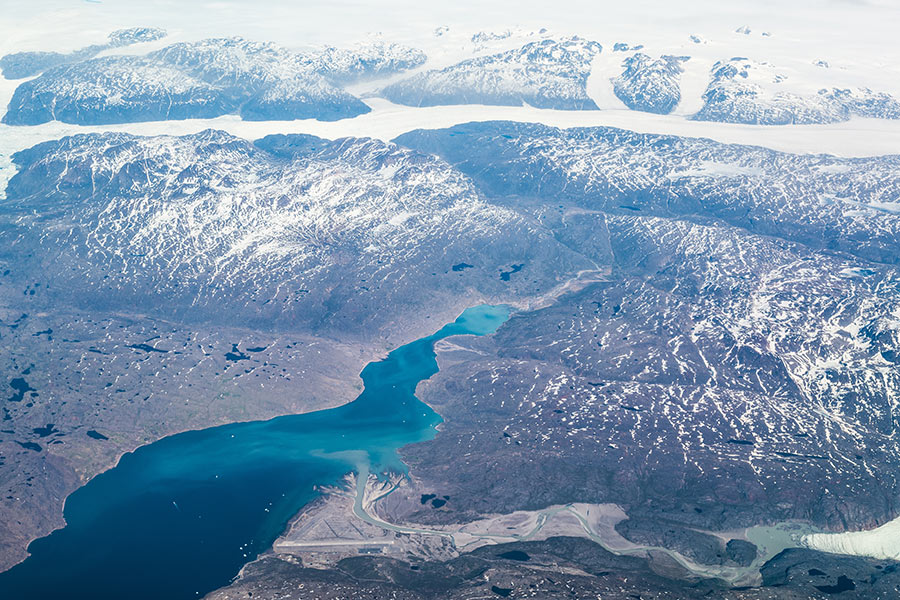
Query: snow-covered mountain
(825, 202)
(256, 65)
(364, 61)
(745, 91)
(650, 84)
(307, 232)
(135, 35)
(739, 366)
(266, 81)
(719, 379)
(115, 89)
(546, 74)
(26, 64)
(209, 78)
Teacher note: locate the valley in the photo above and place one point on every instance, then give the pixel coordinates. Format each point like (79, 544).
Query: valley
(449, 302)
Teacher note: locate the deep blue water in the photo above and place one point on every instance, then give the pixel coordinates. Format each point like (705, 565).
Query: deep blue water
(179, 517)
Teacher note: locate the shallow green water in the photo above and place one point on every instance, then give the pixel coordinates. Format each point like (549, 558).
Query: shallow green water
(179, 517)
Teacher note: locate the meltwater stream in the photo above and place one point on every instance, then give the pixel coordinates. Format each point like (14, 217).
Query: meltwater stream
(180, 517)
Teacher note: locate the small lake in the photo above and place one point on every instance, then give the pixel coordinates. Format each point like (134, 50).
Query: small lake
(178, 518)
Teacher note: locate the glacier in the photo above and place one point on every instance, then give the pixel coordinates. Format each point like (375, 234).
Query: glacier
(26, 64)
(882, 542)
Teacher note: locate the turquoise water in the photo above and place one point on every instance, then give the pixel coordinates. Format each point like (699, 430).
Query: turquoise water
(180, 517)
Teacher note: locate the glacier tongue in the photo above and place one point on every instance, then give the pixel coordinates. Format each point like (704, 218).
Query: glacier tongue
(882, 542)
